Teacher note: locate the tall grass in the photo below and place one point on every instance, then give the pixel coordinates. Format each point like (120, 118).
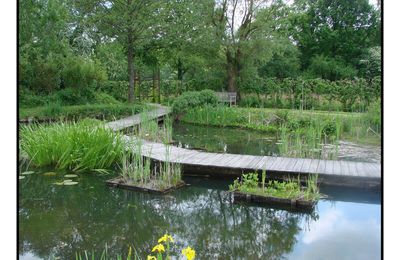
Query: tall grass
(137, 168)
(73, 146)
(150, 130)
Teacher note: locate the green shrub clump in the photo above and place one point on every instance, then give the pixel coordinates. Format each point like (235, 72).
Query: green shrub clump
(193, 99)
(78, 146)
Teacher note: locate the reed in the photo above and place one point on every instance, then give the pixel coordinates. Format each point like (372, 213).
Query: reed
(73, 146)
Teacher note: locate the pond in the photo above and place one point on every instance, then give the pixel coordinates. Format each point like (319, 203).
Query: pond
(244, 141)
(58, 221)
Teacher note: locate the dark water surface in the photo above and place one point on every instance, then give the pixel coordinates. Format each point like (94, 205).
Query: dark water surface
(58, 221)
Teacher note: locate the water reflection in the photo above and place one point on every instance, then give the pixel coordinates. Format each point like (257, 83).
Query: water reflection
(58, 221)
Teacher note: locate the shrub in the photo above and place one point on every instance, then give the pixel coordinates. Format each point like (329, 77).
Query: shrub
(251, 101)
(104, 98)
(81, 73)
(116, 89)
(70, 96)
(193, 99)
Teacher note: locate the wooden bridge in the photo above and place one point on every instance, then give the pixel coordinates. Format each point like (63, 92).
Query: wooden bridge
(330, 172)
(158, 112)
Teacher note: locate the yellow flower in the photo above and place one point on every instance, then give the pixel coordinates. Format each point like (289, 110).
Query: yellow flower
(158, 248)
(189, 253)
(165, 238)
(150, 257)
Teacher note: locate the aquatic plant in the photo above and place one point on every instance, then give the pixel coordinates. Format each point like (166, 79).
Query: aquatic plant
(326, 125)
(161, 250)
(137, 168)
(290, 189)
(73, 146)
(150, 130)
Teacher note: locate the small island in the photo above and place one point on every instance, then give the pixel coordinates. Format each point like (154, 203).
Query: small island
(288, 194)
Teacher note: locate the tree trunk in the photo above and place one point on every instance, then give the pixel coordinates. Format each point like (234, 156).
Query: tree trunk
(154, 85)
(131, 71)
(232, 71)
(136, 84)
(158, 85)
(180, 73)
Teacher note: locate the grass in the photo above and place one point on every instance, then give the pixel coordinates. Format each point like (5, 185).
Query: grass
(99, 111)
(137, 169)
(86, 146)
(150, 130)
(291, 189)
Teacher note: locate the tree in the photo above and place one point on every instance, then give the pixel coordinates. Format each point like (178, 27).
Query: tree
(245, 29)
(335, 29)
(126, 21)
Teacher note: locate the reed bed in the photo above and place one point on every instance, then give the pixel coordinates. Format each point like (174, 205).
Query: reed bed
(73, 146)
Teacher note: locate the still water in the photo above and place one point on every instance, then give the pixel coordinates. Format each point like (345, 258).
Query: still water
(58, 221)
(245, 141)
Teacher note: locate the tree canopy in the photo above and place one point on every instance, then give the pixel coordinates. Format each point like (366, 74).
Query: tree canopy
(216, 44)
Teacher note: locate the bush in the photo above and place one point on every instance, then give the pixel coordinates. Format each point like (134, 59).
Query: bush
(251, 101)
(82, 73)
(320, 94)
(373, 116)
(116, 89)
(27, 98)
(104, 98)
(70, 96)
(193, 99)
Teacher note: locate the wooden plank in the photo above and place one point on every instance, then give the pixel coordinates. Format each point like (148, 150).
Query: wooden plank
(265, 162)
(313, 168)
(274, 165)
(345, 168)
(306, 166)
(289, 167)
(321, 167)
(226, 160)
(241, 161)
(299, 165)
(252, 163)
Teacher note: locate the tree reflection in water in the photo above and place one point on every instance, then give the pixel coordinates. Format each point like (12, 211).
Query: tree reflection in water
(59, 221)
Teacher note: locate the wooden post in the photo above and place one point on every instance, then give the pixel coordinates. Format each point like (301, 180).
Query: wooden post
(158, 85)
(137, 84)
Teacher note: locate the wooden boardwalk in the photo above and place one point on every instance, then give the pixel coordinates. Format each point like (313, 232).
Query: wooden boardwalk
(159, 111)
(330, 172)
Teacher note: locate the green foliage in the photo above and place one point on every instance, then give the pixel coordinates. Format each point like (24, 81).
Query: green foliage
(100, 111)
(117, 89)
(335, 29)
(290, 189)
(81, 73)
(345, 95)
(192, 99)
(370, 63)
(104, 98)
(330, 68)
(77, 147)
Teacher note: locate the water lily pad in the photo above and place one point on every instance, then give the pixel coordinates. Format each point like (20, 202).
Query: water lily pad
(27, 172)
(65, 181)
(70, 176)
(21, 177)
(49, 174)
(71, 183)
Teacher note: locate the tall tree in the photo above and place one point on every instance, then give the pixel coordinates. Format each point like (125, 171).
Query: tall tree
(335, 29)
(127, 21)
(245, 33)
